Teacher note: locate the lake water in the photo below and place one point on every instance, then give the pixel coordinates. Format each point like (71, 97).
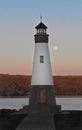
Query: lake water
(17, 103)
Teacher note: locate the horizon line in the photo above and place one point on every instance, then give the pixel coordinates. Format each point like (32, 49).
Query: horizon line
(31, 75)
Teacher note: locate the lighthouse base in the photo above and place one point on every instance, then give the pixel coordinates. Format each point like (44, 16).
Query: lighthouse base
(42, 94)
(44, 109)
(41, 109)
(42, 100)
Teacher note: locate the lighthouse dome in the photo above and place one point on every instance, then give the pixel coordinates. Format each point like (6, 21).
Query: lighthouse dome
(41, 25)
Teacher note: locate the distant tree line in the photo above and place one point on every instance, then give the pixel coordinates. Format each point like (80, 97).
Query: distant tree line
(19, 85)
(68, 85)
(14, 85)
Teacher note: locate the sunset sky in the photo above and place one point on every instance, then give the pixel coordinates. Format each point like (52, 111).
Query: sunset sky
(18, 19)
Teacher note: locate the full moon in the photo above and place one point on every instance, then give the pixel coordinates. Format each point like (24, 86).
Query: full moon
(55, 48)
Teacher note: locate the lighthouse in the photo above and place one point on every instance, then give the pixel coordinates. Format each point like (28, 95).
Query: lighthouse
(42, 95)
(42, 102)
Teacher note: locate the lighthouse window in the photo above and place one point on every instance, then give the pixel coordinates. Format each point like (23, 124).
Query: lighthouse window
(41, 30)
(41, 59)
(44, 31)
(38, 31)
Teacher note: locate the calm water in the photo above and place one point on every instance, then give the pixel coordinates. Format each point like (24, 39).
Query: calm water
(16, 103)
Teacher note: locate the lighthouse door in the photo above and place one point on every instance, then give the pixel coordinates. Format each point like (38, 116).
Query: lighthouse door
(42, 95)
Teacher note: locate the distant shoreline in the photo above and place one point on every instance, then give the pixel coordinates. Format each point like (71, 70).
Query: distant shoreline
(14, 97)
(68, 96)
(28, 96)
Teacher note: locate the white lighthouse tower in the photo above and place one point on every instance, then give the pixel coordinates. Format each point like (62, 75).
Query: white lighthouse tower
(42, 74)
(42, 89)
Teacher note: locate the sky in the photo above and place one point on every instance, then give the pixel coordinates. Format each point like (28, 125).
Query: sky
(18, 19)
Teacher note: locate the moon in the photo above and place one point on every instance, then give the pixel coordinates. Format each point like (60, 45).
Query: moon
(55, 48)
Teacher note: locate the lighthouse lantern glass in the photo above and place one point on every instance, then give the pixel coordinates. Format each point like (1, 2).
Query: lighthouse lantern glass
(41, 31)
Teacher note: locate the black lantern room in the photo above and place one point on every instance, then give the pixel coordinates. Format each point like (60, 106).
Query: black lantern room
(41, 35)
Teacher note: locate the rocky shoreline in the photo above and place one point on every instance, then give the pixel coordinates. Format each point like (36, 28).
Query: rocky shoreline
(66, 120)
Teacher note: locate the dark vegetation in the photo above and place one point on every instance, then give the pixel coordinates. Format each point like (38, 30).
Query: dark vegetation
(9, 120)
(19, 85)
(66, 120)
